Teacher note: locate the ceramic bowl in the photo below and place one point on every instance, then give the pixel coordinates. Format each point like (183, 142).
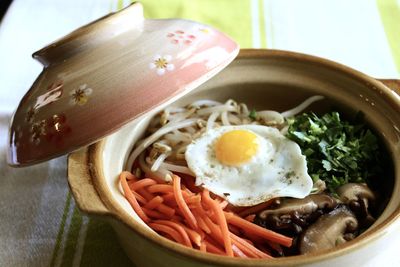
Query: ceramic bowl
(263, 79)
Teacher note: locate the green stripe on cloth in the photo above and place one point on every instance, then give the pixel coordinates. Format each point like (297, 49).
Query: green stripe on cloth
(61, 229)
(262, 24)
(390, 15)
(120, 4)
(102, 247)
(232, 17)
(73, 233)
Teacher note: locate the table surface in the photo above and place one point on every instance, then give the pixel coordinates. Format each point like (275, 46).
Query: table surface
(40, 224)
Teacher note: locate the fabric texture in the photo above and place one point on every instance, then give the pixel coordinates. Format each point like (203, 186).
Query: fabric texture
(40, 223)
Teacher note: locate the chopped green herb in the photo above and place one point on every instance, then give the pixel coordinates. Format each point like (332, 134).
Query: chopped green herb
(253, 114)
(337, 152)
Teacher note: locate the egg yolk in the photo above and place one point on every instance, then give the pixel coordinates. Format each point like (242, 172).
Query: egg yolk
(236, 147)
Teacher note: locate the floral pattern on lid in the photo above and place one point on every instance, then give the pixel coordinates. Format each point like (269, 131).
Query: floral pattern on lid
(52, 129)
(162, 64)
(80, 95)
(205, 30)
(52, 94)
(180, 37)
(109, 73)
(37, 130)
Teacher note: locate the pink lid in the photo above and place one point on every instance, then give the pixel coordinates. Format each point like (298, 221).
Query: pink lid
(110, 72)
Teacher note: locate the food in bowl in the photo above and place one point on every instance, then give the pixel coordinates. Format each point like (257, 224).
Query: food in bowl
(224, 179)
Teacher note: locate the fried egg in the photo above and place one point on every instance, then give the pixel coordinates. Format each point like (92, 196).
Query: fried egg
(248, 164)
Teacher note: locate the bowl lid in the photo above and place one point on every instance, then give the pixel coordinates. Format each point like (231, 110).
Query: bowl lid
(108, 73)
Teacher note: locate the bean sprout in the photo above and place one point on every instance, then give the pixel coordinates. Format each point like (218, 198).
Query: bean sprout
(296, 110)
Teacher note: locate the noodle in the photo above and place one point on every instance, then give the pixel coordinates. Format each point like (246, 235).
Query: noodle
(152, 138)
(158, 162)
(224, 118)
(234, 119)
(221, 108)
(177, 168)
(270, 116)
(301, 107)
(205, 102)
(161, 173)
(211, 120)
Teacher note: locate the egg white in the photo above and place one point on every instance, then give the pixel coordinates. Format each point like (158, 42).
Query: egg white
(278, 169)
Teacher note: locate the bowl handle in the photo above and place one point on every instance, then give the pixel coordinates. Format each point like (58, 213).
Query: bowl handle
(392, 84)
(81, 185)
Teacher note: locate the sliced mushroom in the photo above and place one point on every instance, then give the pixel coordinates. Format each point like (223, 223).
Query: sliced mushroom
(354, 191)
(359, 198)
(294, 214)
(329, 231)
(304, 205)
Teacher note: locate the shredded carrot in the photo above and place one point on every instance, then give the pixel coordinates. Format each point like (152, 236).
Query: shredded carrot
(215, 230)
(181, 202)
(131, 198)
(217, 235)
(166, 210)
(139, 197)
(248, 241)
(262, 232)
(250, 217)
(203, 246)
(203, 226)
(178, 212)
(213, 249)
(142, 183)
(189, 199)
(146, 194)
(234, 229)
(127, 176)
(179, 229)
(160, 188)
(193, 199)
(238, 252)
(249, 247)
(223, 204)
(244, 249)
(153, 203)
(201, 216)
(216, 208)
(190, 193)
(166, 189)
(169, 199)
(168, 230)
(189, 182)
(256, 208)
(130, 183)
(193, 235)
(155, 214)
(254, 237)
